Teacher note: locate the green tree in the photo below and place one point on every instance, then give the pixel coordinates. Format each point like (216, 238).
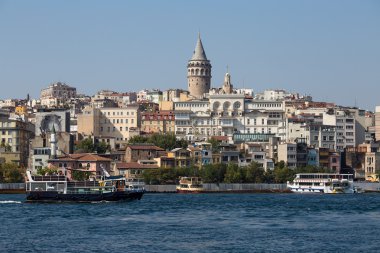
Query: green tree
(11, 173)
(102, 147)
(165, 141)
(254, 173)
(85, 146)
(79, 175)
(234, 174)
(88, 146)
(138, 139)
(47, 171)
(213, 173)
(6, 146)
(282, 175)
(214, 144)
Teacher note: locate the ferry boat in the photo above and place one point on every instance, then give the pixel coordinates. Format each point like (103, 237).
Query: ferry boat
(322, 183)
(190, 185)
(60, 189)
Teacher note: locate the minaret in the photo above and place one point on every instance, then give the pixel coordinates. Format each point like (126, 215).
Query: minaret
(53, 144)
(199, 72)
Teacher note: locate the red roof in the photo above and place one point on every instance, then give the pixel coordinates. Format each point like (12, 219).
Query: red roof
(220, 138)
(86, 157)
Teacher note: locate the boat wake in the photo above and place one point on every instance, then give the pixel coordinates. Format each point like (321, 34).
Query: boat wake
(9, 202)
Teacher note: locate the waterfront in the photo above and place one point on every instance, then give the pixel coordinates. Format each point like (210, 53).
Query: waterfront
(195, 223)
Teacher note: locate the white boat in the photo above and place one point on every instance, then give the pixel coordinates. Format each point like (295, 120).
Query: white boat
(322, 183)
(190, 185)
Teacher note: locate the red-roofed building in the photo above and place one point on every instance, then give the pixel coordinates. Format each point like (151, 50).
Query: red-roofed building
(83, 161)
(137, 152)
(158, 122)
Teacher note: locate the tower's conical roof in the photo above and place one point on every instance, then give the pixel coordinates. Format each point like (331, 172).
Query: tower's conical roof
(199, 52)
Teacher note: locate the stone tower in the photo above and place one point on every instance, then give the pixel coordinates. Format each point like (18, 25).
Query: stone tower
(199, 72)
(227, 86)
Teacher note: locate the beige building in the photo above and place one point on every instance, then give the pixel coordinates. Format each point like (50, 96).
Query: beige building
(118, 123)
(287, 152)
(58, 90)
(377, 123)
(15, 135)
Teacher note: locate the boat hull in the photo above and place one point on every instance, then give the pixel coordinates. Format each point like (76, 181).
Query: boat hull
(53, 196)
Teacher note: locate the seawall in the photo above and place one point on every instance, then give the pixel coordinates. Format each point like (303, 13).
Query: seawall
(212, 188)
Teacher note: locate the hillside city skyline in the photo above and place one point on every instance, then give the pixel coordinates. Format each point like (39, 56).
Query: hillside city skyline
(306, 48)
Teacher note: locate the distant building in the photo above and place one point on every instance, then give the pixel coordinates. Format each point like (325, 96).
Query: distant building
(57, 94)
(377, 123)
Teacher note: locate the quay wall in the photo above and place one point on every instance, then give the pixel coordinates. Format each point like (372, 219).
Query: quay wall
(367, 186)
(12, 188)
(222, 187)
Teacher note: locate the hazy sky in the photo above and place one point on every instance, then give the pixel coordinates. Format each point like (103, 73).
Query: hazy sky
(328, 49)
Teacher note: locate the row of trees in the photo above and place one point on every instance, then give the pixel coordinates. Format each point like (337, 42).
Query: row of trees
(88, 146)
(228, 173)
(165, 141)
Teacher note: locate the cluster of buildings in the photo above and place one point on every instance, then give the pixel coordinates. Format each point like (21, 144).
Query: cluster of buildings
(266, 127)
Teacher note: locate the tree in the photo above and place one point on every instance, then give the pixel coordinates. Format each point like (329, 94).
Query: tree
(79, 175)
(165, 141)
(254, 173)
(102, 147)
(138, 139)
(85, 146)
(88, 146)
(11, 173)
(234, 174)
(214, 144)
(47, 171)
(282, 175)
(6, 146)
(213, 173)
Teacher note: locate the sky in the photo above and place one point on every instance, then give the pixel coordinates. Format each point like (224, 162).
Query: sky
(329, 49)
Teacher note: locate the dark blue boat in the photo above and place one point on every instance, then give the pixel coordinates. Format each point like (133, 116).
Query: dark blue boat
(59, 189)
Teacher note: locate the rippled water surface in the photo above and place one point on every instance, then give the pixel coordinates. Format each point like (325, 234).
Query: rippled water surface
(195, 223)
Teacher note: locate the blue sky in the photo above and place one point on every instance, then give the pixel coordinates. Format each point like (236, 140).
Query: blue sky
(329, 49)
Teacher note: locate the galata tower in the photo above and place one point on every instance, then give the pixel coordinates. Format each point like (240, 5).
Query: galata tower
(199, 72)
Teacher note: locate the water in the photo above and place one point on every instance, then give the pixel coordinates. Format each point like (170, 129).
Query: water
(195, 223)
